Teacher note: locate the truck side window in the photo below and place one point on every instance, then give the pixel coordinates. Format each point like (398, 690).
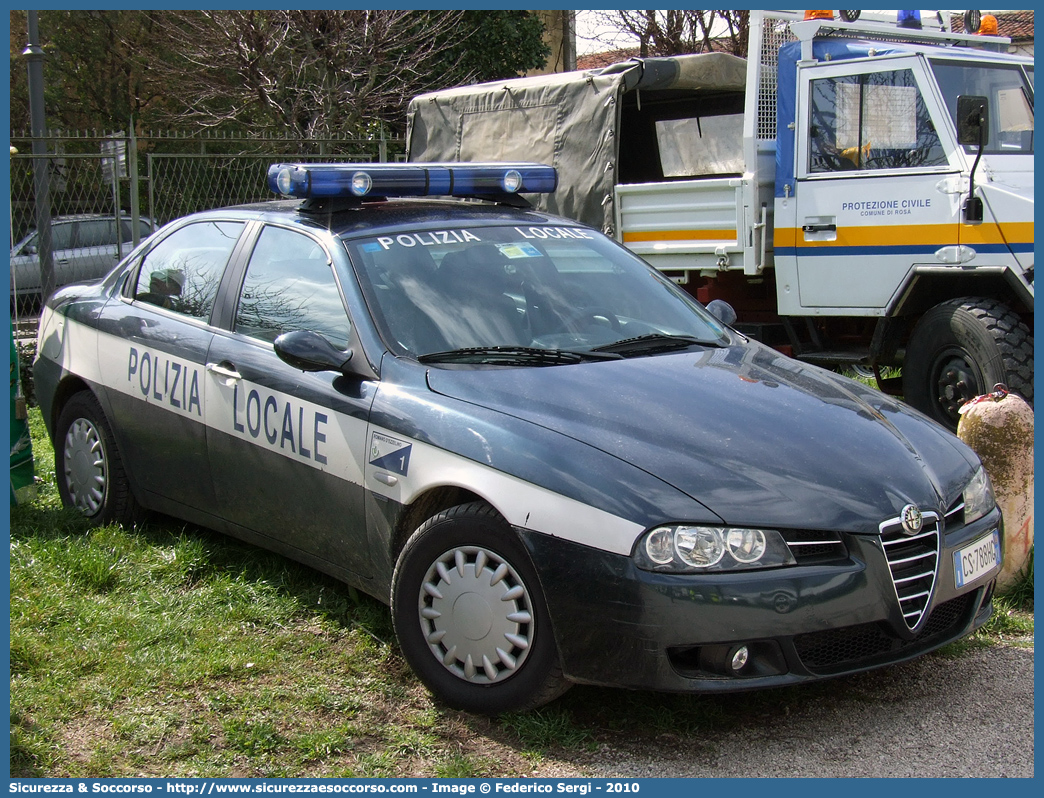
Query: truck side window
(871, 121)
(1009, 96)
(289, 286)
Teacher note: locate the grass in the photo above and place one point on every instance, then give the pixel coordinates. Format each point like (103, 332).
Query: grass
(169, 650)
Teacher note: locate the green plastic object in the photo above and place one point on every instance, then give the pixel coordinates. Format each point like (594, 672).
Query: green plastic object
(23, 480)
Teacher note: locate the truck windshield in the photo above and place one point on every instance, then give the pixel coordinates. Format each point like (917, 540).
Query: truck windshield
(1009, 91)
(522, 290)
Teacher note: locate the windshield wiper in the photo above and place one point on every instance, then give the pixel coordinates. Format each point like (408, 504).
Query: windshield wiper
(651, 343)
(512, 356)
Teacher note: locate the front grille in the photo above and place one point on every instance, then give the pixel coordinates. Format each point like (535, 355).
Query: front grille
(812, 548)
(836, 650)
(955, 514)
(913, 561)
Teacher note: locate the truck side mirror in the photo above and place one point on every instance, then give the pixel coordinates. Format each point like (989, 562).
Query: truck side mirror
(973, 121)
(973, 128)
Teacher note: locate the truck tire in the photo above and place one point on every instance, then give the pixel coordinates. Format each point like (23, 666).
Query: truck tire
(959, 350)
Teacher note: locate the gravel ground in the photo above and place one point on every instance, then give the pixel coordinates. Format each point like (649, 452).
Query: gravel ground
(969, 715)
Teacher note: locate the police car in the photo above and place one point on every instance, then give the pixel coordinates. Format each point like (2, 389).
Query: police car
(552, 463)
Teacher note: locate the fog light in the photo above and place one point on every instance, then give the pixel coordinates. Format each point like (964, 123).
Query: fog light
(738, 658)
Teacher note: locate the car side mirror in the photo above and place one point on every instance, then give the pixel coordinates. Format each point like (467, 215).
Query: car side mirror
(28, 249)
(973, 121)
(309, 351)
(722, 311)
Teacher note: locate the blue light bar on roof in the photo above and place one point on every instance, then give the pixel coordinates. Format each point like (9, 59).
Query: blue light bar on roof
(909, 19)
(314, 180)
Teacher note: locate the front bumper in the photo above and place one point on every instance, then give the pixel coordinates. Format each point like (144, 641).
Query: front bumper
(618, 625)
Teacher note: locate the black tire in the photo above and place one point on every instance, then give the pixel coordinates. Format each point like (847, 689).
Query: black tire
(961, 349)
(88, 467)
(470, 615)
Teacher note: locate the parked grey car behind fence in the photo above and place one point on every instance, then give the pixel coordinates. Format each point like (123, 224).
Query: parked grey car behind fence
(84, 247)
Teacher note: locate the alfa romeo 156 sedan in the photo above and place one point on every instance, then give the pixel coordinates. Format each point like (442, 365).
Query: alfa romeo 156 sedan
(552, 463)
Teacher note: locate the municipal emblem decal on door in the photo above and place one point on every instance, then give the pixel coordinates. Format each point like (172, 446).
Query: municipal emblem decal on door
(390, 454)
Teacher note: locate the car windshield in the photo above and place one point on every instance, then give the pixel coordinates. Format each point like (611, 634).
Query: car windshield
(509, 295)
(1010, 94)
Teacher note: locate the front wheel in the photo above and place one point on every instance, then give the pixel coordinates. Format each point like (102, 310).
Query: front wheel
(89, 470)
(470, 615)
(959, 350)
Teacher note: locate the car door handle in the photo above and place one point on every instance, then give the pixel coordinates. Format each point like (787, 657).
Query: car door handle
(819, 228)
(224, 369)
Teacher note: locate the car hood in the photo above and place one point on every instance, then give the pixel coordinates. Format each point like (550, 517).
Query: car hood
(755, 437)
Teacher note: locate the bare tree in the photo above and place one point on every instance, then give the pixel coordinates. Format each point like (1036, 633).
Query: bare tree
(303, 73)
(674, 31)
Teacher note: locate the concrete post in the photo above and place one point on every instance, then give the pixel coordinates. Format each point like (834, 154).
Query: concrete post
(999, 427)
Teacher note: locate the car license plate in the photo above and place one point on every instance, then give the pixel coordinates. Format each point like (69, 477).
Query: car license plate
(979, 558)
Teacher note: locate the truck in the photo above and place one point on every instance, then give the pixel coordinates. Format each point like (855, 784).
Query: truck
(860, 193)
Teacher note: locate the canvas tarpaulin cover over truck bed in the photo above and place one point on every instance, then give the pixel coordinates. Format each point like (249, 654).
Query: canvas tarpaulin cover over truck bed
(569, 120)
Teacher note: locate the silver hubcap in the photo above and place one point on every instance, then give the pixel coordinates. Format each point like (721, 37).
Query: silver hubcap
(476, 615)
(85, 467)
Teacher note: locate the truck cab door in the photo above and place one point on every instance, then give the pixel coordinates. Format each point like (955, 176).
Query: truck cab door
(877, 189)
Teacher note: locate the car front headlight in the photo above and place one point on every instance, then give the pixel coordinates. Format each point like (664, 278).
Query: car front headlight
(684, 548)
(978, 497)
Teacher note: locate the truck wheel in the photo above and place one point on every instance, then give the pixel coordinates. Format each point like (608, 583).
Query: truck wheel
(961, 349)
(88, 466)
(470, 615)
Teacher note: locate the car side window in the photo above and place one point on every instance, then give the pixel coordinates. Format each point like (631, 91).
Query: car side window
(61, 236)
(290, 285)
(97, 233)
(144, 230)
(876, 120)
(182, 272)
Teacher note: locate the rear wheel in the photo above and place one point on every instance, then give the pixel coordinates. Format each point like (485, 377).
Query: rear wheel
(470, 615)
(88, 466)
(961, 349)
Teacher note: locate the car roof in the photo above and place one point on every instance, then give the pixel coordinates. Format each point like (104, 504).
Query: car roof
(76, 217)
(364, 218)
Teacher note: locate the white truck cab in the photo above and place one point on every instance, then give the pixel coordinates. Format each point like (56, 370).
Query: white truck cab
(860, 192)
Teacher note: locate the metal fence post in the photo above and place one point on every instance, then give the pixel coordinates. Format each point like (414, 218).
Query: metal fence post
(34, 54)
(132, 158)
(150, 176)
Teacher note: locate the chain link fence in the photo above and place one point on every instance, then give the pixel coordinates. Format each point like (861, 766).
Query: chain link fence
(107, 192)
